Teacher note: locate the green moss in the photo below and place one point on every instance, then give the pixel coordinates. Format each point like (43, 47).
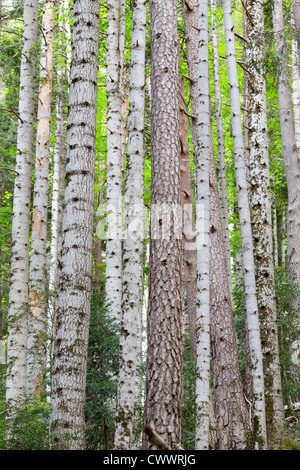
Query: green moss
(290, 444)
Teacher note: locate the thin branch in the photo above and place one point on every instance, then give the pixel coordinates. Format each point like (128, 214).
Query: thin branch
(9, 169)
(14, 112)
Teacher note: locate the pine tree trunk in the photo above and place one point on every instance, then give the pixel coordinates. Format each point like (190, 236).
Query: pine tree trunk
(230, 406)
(37, 322)
(71, 341)
(261, 216)
(221, 150)
(134, 226)
(113, 287)
(163, 407)
(188, 234)
(18, 295)
(246, 234)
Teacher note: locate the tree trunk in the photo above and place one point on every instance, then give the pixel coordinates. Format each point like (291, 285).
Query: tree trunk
(246, 234)
(230, 406)
(37, 322)
(163, 408)
(296, 91)
(261, 215)
(221, 150)
(203, 236)
(289, 147)
(18, 295)
(57, 190)
(134, 227)
(71, 341)
(188, 234)
(113, 287)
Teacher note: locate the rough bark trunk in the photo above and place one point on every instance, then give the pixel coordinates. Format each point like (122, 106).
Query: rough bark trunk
(163, 408)
(18, 295)
(261, 216)
(71, 341)
(134, 227)
(230, 407)
(188, 233)
(37, 322)
(221, 150)
(246, 234)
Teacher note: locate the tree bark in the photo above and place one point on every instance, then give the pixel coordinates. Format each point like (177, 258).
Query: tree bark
(134, 227)
(261, 216)
(221, 150)
(18, 295)
(289, 145)
(246, 234)
(163, 407)
(203, 236)
(188, 234)
(71, 341)
(113, 286)
(37, 322)
(230, 407)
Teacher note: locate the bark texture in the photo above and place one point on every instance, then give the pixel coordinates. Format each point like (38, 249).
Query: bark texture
(261, 216)
(188, 233)
(289, 146)
(203, 236)
(37, 322)
(71, 341)
(18, 295)
(252, 318)
(134, 226)
(221, 150)
(163, 408)
(230, 407)
(114, 65)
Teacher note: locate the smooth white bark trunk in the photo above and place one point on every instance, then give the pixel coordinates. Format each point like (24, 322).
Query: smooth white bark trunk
(203, 236)
(18, 295)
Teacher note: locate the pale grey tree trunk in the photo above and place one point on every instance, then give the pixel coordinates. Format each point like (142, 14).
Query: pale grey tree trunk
(203, 236)
(289, 147)
(18, 295)
(134, 233)
(296, 16)
(221, 148)
(275, 235)
(113, 286)
(296, 91)
(57, 186)
(163, 407)
(252, 318)
(261, 216)
(37, 322)
(71, 340)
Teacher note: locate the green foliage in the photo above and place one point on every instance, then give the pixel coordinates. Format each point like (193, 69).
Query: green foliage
(288, 296)
(102, 370)
(27, 427)
(189, 390)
